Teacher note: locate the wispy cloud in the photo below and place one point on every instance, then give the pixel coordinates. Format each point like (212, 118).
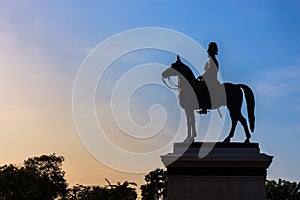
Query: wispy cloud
(278, 83)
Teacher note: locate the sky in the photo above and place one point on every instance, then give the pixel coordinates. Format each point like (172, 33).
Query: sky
(44, 43)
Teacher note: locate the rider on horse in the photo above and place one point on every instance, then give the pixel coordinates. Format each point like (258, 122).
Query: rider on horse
(210, 74)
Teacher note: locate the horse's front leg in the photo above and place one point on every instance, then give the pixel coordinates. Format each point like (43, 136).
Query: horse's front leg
(191, 129)
(188, 124)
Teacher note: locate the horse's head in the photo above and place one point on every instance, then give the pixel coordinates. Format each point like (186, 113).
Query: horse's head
(174, 70)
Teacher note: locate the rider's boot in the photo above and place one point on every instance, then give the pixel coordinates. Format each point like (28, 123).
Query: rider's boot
(202, 111)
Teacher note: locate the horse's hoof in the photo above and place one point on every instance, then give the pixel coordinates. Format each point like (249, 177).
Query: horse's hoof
(247, 141)
(227, 140)
(189, 140)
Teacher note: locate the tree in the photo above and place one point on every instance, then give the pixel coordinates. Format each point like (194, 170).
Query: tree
(18, 183)
(156, 185)
(111, 192)
(283, 190)
(49, 168)
(40, 178)
(80, 192)
(122, 191)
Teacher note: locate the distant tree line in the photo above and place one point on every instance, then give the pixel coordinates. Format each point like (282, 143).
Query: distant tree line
(39, 178)
(42, 178)
(283, 190)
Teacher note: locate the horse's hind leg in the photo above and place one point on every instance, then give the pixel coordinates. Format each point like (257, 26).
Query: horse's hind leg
(246, 129)
(233, 126)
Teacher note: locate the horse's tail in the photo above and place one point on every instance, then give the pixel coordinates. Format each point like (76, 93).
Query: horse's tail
(250, 104)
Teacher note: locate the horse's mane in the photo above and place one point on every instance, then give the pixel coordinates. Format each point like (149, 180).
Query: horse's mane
(187, 72)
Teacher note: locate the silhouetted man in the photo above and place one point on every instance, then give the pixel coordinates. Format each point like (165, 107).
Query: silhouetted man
(210, 75)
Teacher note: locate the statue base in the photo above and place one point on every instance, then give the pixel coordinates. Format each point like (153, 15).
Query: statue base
(216, 171)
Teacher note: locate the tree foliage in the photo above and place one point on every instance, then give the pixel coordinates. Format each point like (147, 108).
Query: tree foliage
(40, 178)
(111, 192)
(123, 191)
(18, 183)
(80, 192)
(283, 190)
(156, 185)
(49, 169)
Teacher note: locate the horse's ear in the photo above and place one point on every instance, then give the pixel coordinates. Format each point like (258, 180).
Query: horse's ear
(178, 58)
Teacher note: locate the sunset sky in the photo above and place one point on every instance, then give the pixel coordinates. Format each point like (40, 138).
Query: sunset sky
(43, 44)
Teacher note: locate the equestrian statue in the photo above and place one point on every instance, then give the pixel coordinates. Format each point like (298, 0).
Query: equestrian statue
(207, 93)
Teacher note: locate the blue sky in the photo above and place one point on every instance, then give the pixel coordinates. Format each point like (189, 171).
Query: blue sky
(43, 43)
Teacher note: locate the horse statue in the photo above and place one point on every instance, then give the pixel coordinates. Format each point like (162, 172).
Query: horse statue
(194, 95)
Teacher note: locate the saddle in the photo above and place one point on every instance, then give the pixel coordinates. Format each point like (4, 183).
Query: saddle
(205, 93)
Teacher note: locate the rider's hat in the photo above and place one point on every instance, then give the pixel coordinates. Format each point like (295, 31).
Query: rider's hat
(212, 48)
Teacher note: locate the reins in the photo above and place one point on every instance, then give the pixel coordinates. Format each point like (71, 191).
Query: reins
(173, 85)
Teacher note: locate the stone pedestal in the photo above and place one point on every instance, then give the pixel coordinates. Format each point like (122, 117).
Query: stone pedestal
(234, 171)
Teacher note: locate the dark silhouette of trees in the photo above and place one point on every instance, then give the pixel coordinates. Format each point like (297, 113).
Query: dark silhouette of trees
(156, 185)
(283, 190)
(49, 169)
(122, 191)
(40, 178)
(18, 183)
(80, 192)
(111, 192)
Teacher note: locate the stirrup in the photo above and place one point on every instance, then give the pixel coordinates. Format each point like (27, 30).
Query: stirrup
(202, 112)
